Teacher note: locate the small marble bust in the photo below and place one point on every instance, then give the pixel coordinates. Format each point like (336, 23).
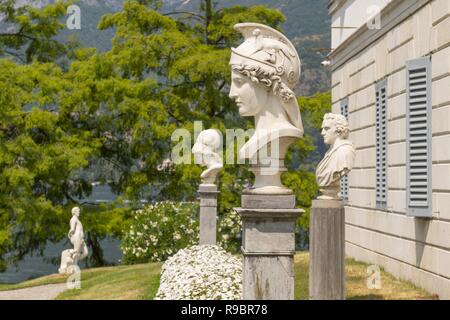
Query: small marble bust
(339, 159)
(70, 257)
(205, 150)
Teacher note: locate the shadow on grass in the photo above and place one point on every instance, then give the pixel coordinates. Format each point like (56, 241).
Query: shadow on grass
(366, 297)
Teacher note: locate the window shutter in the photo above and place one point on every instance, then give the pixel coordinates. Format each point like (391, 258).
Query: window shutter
(344, 179)
(419, 135)
(381, 145)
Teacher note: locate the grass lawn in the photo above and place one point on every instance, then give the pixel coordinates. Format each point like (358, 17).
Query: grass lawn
(356, 283)
(142, 282)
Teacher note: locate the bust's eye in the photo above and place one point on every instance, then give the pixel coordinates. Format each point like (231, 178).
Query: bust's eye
(238, 81)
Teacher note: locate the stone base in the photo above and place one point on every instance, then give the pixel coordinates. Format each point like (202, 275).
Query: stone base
(268, 247)
(208, 213)
(208, 225)
(268, 277)
(267, 201)
(68, 264)
(327, 250)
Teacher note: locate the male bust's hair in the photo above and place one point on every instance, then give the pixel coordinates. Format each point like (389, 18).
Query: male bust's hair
(340, 123)
(208, 143)
(210, 138)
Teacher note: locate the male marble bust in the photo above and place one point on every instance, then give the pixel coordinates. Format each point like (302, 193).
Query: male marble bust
(205, 150)
(339, 159)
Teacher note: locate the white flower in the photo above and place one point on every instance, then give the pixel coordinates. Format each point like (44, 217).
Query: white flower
(201, 272)
(176, 236)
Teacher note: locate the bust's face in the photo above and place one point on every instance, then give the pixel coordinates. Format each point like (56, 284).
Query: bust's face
(329, 133)
(248, 96)
(199, 149)
(205, 146)
(76, 211)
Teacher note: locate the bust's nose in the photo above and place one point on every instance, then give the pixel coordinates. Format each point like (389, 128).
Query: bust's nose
(232, 93)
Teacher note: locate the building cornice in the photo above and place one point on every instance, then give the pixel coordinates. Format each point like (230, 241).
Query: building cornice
(393, 14)
(335, 5)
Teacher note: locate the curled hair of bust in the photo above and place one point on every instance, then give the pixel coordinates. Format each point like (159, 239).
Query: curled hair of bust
(270, 79)
(340, 123)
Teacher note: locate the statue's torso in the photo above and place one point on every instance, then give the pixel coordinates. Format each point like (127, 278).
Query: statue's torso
(78, 233)
(336, 162)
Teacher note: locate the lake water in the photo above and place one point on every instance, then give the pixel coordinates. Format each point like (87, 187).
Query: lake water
(33, 266)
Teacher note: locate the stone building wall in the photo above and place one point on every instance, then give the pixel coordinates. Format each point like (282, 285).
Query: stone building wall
(411, 248)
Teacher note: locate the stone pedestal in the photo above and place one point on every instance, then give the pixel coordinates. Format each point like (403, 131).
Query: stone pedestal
(208, 213)
(327, 250)
(268, 246)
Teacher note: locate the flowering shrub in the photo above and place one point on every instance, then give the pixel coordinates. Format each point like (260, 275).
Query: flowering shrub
(159, 230)
(229, 232)
(204, 272)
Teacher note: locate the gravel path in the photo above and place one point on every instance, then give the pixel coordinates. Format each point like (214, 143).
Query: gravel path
(47, 292)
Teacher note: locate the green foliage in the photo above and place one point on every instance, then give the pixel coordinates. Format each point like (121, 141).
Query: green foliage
(315, 107)
(229, 232)
(37, 156)
(42, 147)
(29, 32)
(159, 231)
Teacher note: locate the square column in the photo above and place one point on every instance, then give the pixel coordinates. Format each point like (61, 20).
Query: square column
(269, 223)
(208, 213)
(327, 250)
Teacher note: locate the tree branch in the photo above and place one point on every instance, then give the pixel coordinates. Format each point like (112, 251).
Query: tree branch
(18, 34)
(184, 12)
(189, 14)
(222, 85)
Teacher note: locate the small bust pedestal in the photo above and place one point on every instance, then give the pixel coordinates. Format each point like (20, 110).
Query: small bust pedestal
(327, 250)
(208, 213)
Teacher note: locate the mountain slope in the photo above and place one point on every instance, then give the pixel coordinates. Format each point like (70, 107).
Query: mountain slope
(307, 25)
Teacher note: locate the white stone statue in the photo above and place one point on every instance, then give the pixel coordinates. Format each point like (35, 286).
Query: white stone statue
(265, 69)
(338, 160)
(205, 150)
(70, 257)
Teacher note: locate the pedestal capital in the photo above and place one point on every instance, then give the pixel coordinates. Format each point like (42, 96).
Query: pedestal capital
(262, 214)
(327, 203)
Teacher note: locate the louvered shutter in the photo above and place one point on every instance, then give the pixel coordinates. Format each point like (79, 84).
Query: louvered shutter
(419, 135)
(381, 145)
(344, 179)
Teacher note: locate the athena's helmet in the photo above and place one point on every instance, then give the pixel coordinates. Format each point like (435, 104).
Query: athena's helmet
(269, 58)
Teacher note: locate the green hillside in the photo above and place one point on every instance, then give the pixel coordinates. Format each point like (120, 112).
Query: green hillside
(307, 25)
